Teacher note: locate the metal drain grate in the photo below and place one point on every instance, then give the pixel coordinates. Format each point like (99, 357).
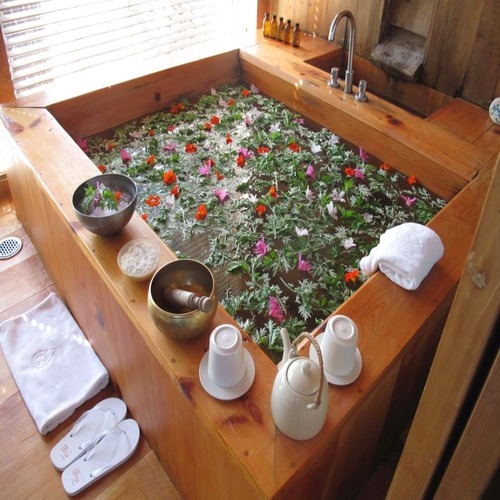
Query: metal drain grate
(9, 247)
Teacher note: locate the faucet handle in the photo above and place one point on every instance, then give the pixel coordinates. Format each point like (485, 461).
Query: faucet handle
(334, 75)
(361, 95)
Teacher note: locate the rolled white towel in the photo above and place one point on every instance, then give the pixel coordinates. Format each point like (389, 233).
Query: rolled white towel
(405, 254)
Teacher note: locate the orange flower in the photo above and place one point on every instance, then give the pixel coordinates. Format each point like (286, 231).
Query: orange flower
(261, 210)
(169, 177)
(151, 160)
(144, 216)
(228, 139)
(412, 180)
(350, 171)
(219, 175)
(175, 191)
(386, 167)
(102, 168)
(208, 127)
(110, 146)
(245, 92)
(177, 108)
(272, 192)
(191, 148)
(118, 195)
(214, 120)
(201, 213)
(230, 102)
(153, 200)
(293, 146)
(262, 150)
(151, 133)
(351, 276)
(240, 161)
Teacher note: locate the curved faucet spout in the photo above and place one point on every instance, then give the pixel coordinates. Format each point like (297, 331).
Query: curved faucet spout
(352, 35)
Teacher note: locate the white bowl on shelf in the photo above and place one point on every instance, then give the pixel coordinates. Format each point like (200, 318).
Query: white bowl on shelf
(138, 259)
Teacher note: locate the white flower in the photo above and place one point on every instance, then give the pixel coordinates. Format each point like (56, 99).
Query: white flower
(301, 231)
(309, 195)
(254, 89)
(348, 243)
(250, 197)
(222, 103)
(368, 217)
(334, 139)
(332, 210)
(170, 201)
(213, 91)
(336, 196)
(275, 127)
(315, 148)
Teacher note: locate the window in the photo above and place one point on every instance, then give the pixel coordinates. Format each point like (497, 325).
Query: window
(78, 42)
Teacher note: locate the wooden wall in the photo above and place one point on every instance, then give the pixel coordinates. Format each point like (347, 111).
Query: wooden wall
(463, 44)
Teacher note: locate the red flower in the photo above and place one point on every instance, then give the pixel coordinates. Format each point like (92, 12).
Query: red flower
(386, 167)
(262, 150)
(272, 192)
(208, 127)
(350, 171)
(412, 180)
(228, 139)
(177, 108)
(201, 213)
(261, 210)
(240, 161)
(245, 92)
(209, 163)
(171, 128)
(351, 276)
(151, 160)
(151, 133)
(169, 177)
(191, 148)
(102, 168)
(219, 175)
(293, 146)
(153, 200)
(175, 191)
(110, 146)
(118, 195)
(230, 102)
(144, 216)
(214, 120)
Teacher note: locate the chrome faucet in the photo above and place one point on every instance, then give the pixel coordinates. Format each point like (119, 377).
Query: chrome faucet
(352, 35)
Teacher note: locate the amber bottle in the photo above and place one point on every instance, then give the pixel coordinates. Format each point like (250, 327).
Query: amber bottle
(281, 31)
(296, 36)
(274, 27)
(266, 25)
(288, 31)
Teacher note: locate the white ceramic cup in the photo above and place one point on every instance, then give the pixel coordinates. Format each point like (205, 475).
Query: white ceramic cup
(226, 359)
(338, 345)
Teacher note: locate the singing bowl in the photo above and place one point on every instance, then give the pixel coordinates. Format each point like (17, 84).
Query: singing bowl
(184, 274)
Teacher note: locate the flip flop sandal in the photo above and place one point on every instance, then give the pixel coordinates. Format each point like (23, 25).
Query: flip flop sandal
(86, 430)
(114, 447)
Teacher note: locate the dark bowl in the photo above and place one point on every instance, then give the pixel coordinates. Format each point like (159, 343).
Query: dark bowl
(107, 224)
(184, 274)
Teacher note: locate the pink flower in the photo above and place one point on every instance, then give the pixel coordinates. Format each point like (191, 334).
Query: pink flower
(260, 248)
(304, 265)
(204, 170)
(169, 146)
(310, 172)
(358, 174)
(221, 194)
(248, 121)
(125, 156)
(84, 144)
(409, 201)
(245, 152)
(363, 155)
(275, 310)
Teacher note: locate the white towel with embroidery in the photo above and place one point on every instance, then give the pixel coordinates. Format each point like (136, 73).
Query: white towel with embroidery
(405, 254)
(53, 364)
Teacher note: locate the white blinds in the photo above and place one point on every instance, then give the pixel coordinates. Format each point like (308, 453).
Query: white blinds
(48, 40)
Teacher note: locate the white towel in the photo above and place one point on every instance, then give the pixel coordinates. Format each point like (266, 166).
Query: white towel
(405, 254)
(53, 364)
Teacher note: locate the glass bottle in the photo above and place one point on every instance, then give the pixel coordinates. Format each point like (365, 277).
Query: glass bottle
(281, 31)
(296, 36)
(266, 25)
(288, 31)
(274, 27)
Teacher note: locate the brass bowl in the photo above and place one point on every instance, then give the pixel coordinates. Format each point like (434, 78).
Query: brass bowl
(107, 224)
(184, 274)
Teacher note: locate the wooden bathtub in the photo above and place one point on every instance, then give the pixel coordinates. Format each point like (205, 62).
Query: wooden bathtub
(213, 449)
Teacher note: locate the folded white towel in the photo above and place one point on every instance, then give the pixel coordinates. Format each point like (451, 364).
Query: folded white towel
(53, 364)
(405, 254)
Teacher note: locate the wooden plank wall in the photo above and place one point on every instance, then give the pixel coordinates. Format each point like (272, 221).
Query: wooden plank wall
(463, 49)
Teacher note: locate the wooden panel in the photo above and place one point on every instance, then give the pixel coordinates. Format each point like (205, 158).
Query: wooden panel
(466, 334)
(483, 71)
(412, 15)
(454, 27)
(6, 88)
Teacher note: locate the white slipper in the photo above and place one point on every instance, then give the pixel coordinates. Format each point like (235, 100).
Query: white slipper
(113, 448)
(87, 428)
